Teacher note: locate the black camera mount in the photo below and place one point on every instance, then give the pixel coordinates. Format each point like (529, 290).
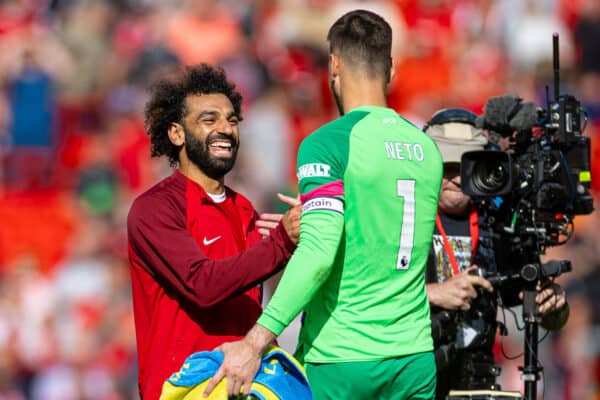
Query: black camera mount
(532, 274)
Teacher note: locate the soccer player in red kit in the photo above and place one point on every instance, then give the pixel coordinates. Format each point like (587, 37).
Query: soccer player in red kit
(195, 250)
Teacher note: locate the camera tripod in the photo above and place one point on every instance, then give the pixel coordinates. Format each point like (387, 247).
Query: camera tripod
(530, 371)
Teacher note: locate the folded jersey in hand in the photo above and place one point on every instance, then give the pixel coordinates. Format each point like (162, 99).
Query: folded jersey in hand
(280, 377)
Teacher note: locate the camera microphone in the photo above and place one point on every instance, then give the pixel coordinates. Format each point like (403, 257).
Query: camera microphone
(507, 114)
(525, 119)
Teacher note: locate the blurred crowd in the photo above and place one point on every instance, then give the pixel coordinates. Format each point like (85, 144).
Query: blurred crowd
(73, 152)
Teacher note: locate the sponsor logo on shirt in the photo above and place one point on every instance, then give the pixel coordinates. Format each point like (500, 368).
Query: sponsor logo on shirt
(404, 151)
(324, 203)
(206, 241)
(313, 169)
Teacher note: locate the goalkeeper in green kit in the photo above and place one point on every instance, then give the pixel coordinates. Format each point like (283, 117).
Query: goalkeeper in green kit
(369, 183)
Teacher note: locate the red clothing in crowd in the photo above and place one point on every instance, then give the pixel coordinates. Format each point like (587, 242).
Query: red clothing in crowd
(195, 268)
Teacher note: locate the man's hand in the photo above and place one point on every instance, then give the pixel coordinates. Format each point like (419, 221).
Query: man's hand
(457, 292)
(291, 219)
(267, 222)
(240, 365)
(241, 361)
(550, 297)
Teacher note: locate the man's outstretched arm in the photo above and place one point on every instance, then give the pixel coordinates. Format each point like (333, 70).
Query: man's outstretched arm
(309, 267)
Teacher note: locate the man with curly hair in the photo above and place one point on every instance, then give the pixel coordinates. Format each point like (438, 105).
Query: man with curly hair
(195, 248)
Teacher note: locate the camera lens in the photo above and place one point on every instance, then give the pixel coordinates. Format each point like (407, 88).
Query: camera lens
(489, 177)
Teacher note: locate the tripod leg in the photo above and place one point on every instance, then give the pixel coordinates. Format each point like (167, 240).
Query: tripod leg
(531, 369)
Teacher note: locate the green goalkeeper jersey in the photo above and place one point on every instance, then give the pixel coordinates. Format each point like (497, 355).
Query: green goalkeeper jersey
(369, 183)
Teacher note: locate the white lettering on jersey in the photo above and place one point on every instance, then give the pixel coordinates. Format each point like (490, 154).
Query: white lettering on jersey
(313, 169)
(324, 203)
(404, 151)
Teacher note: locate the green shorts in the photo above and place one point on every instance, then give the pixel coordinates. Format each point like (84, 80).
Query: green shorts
(409, 377)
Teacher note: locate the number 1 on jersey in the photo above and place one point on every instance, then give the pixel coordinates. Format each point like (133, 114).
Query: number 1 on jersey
(406, 190)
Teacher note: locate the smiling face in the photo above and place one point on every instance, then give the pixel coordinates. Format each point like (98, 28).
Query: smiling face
(211, 133)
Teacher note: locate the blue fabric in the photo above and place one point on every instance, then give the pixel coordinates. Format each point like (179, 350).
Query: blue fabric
(279, 372)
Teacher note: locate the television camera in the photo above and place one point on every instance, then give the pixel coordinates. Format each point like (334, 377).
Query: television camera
(527, 194)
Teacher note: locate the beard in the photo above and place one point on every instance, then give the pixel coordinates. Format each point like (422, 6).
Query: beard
(198, 153)
(336, 97)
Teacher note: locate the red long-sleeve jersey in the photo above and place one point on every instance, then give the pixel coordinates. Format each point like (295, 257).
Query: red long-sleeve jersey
(195, 270)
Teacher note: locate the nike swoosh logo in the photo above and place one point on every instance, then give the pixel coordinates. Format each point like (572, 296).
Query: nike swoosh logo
(211, 241)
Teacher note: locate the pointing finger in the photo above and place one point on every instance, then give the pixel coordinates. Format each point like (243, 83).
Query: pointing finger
(291, 201)
(270, 217)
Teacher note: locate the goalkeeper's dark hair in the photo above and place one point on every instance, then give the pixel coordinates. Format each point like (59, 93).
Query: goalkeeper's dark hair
(167, 103)
(363, 39)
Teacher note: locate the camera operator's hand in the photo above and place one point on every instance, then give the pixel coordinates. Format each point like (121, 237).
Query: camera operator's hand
(459, 291)
(550, 297)
(552, 305)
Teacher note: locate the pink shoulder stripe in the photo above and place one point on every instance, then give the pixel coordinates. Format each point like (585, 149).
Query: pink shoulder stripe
(330, 189)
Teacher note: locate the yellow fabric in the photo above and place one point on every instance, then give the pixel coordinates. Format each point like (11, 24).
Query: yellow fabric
(172, 392)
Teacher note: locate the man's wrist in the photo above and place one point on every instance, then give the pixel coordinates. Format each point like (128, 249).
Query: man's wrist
(284, 237)
(432, 293)
(259, 338)
(271, 323)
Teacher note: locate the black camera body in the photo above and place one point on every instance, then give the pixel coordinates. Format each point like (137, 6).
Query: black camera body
(553, 177)
(533, 190)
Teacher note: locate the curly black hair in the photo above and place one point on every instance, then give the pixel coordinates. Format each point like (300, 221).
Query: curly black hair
(167, 104)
